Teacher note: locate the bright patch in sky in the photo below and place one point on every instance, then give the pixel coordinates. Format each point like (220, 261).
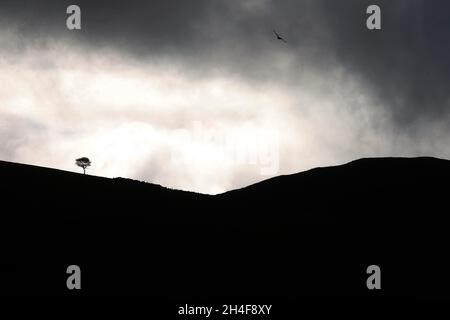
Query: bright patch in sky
(158, 122)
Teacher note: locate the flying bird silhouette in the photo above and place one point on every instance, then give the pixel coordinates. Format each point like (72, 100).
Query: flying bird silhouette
(279, 37)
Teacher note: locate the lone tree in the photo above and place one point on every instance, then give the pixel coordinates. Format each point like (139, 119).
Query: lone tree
(83, 163)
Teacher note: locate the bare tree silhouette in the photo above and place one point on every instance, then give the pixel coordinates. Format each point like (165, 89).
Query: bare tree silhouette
(83, 163)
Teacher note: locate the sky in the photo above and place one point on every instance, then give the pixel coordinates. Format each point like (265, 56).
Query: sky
(200, 95)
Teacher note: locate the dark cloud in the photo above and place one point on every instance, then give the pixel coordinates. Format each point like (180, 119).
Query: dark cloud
(405, 66)
(336, 90)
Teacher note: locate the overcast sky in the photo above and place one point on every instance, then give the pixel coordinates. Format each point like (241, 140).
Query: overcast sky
(199, 95)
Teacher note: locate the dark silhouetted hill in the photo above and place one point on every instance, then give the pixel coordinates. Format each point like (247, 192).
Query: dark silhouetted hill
(294, 237)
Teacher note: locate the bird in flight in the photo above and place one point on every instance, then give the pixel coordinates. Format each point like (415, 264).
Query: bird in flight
(279, 37)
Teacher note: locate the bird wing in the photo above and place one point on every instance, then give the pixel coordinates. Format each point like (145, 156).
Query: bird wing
(279, 37)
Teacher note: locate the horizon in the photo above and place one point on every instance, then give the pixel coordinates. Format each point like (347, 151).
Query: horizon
(243, 187)
(202, 96)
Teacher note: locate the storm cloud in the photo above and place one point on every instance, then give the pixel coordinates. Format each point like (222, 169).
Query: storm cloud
(141, 76)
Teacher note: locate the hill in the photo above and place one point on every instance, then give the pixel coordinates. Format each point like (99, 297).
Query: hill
(301, 236)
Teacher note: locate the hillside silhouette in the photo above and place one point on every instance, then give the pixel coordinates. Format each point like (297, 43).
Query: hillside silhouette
(309, 235)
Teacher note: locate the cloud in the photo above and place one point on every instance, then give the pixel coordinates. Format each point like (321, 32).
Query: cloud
(130, 88)
(403, 64)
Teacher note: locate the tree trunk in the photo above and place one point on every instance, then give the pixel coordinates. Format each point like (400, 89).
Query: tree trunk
(84, 171)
